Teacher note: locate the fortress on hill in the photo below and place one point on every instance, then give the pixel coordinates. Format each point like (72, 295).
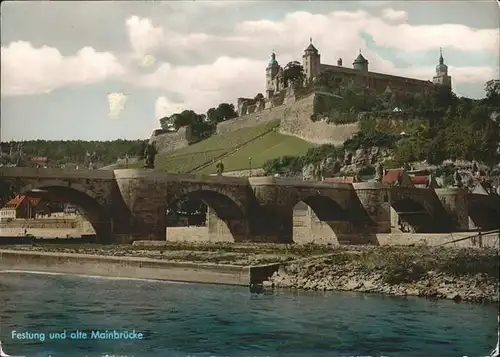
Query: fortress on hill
(358, 75)
(293, 105)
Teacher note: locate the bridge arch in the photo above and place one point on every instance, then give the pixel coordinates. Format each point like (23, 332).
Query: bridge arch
(225, 216)
(409, 215)
(59, 183)
(484, 210)
(319, 219)
(93, 211)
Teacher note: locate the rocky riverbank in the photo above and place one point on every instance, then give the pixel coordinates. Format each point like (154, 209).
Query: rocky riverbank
(457, 274)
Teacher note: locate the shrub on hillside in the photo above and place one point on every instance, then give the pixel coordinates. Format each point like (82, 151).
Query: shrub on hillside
(363, 140)
(284, 166)
(319, 153)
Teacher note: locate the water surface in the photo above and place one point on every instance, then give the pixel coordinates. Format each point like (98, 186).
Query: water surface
(180, 320)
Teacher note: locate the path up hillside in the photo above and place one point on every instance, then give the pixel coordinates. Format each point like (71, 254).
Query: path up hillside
(261, 143)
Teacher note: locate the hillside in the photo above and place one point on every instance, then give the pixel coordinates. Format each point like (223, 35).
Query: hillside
(261, 143)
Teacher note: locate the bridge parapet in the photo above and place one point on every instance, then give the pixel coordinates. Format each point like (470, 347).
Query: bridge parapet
(130, 174)
(280, 181)
(55, 173)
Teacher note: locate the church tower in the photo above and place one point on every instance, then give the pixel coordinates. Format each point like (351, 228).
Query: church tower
(442, 77)
(271, 72)
(311, 61)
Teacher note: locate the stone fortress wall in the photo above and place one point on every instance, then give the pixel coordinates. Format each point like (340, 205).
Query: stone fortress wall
(170, 141)
(294, 111)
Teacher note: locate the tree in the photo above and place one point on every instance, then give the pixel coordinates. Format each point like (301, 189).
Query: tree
(212, 115)
(293, 73)
(492, 89)
(223, 112)
(328, 82)
(259, 97)
(226, 111)
(164, 123)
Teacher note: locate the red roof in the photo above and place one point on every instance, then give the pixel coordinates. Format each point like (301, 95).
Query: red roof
(34, 201)
(16, 201)
(340, 179)
(39, 159)
(392, 176)
(420, 180)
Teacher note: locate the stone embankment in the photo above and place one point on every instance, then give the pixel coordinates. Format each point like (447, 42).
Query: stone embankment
(456, 274)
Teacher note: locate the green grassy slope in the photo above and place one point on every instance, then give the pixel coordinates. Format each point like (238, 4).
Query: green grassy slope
(269, 146)
(261, 142)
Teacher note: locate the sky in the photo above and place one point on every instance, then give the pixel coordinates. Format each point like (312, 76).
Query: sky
(110, 70)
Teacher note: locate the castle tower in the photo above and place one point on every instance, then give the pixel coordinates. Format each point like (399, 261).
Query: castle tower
(311, 61)
(442, 77)
(360, 63)
(271, 71)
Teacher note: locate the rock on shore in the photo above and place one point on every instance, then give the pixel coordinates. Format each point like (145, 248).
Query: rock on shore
(434, 273)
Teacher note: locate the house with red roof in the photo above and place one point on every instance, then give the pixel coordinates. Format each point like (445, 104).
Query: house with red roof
(40, 161)
(397, 177)
(424, 181)
(19, 207)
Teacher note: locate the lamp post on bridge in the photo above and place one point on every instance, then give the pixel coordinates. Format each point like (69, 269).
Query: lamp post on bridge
(250, 166)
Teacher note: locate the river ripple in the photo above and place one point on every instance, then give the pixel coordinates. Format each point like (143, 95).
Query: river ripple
(208, 320)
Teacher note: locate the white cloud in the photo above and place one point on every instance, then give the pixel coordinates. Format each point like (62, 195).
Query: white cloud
(143, 36)
(164, 107)
(234, 64)
(394, 15)
(147, 61)
(426, 37)
(116, 103)
(205, 86)
(29, 70)
(336, 34)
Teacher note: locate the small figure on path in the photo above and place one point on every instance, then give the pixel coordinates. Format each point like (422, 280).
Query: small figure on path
(220, 168)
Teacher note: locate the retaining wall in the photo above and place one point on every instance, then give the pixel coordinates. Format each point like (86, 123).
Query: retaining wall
(253, 119)
(295, 118)
(297, 122)
(187, 234)
(123, 267)
(171, 141)
(430, 239)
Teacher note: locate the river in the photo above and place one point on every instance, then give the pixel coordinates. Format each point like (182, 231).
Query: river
(179, 320)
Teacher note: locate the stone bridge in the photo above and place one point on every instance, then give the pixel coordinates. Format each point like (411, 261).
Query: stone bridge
(127, 205)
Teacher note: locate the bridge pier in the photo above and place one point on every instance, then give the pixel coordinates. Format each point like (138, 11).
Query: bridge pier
(273, 224)
(226, 230)
(375, 199)
(454, 202)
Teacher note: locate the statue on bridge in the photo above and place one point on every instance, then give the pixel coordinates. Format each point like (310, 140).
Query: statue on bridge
(475, 169)
(379, 172)
(150, 154)
(457, 179)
